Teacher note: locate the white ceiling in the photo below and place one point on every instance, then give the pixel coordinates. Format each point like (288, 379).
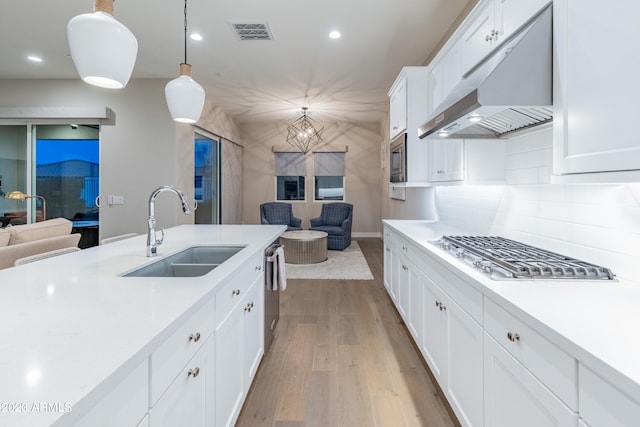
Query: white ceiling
(345, 79)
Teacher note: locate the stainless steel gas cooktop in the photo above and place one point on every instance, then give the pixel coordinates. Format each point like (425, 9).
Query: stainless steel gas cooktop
(504, 259)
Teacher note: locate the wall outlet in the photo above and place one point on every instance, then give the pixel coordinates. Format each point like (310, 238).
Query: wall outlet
(115, 200)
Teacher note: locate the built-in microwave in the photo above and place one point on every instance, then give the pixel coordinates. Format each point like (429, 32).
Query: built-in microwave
(398, 159)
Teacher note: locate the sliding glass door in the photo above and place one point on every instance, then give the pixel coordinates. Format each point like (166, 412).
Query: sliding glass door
(207, 179)
(51, 171)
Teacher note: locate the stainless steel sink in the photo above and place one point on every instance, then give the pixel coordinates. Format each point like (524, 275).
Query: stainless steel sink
(191, 262)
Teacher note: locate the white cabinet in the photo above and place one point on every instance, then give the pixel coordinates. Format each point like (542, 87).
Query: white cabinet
(445, 75)
(472, 161)
(602, 404)
(514, 397)
(493, 22)
(387, 259)
(452, 344)
(185, 402)
(398, 108)
(449, 338)
(239, 349)
(446, 157)
(595, 90)
(414, 83)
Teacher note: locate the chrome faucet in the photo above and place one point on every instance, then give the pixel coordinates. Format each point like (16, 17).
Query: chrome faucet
(152, 242)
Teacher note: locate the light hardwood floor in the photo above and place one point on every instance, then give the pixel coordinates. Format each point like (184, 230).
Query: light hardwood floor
(341, 356)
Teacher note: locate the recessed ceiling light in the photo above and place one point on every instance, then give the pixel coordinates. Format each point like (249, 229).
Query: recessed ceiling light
(475, 118)
(196, 37)
(334, 34)
(34, 58)
(443, 133)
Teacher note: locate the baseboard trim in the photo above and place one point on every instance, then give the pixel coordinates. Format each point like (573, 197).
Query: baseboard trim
(365, 234)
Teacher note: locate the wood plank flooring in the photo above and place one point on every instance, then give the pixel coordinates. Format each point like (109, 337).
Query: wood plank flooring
(341, 356)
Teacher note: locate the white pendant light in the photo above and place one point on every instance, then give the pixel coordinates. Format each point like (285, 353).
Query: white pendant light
(185, 97)
(103, 50)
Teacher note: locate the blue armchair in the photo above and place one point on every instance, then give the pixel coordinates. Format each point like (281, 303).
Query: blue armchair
(279, 213)
(335, 220)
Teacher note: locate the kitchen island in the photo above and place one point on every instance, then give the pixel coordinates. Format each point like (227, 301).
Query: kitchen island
(516, 352)
(80, 343)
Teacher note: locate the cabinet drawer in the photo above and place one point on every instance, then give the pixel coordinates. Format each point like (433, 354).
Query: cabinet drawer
(236, 287)
(467, 297)
(172, 356)
(552, 366)
(602, 404)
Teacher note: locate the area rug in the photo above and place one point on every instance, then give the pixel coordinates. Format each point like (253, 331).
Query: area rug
(349, 264)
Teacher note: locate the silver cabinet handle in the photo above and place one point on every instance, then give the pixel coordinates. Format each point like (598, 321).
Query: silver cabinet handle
(513, 337)
(247, 307)
(235, 292)
(194, 337)
(441, 306)
(487, 38)
(404, 267)
(193, 372)
(258, 267)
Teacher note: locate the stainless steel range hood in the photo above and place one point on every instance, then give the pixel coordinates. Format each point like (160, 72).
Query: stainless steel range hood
(510, 90)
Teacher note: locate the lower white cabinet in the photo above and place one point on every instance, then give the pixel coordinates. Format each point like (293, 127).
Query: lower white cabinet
(239, 349)
(514, 397)
(185, 402)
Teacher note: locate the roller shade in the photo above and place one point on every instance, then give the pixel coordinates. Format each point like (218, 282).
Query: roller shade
(328, 164)
(290, 164)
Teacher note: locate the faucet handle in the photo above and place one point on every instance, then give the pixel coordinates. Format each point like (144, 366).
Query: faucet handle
(159, 242)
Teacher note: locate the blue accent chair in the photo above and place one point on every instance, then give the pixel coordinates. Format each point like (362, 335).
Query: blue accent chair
(335, 220)
(280, 214)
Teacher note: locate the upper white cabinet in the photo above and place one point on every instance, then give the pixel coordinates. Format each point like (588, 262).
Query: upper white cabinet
(412, 85)
(493, 22)
(472, 161)
(446, 73)
(398, 108)
(447, 159)
(595, 90)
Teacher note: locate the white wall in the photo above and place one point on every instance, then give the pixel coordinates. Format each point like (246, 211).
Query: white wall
(142, 151)
(362, 171)
(596, 223)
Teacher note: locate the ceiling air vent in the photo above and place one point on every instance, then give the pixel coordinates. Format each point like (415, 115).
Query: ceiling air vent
(252, 30)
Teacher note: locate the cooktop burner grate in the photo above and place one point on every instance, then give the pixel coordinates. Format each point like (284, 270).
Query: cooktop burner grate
(518, 260)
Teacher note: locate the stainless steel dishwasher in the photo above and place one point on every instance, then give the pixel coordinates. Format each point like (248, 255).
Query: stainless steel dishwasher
(271, 297)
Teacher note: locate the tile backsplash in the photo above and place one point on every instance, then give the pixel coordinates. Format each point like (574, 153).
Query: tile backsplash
(596, 223)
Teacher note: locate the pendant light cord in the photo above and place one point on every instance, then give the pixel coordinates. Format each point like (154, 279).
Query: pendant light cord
(185, 32)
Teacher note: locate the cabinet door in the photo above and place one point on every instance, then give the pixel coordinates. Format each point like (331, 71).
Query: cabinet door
(594, 101)
(387, 265)
(396, 269)
(184, 403)
(398, 109)
(403, 288)
(229, 389)
(414, 322)
(433, 329)
(446, 75)
(464, 364)
(447, 159)
(514, 397)
(477, 40)
(253, 331)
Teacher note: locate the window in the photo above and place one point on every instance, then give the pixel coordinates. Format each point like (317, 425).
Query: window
(329, 176)
(206, 182)
(290, 176)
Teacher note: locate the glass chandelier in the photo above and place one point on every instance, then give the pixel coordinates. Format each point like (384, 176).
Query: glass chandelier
(303, 135)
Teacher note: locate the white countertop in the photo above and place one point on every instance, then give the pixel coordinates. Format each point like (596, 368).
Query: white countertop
(71, 327)
(594, 321)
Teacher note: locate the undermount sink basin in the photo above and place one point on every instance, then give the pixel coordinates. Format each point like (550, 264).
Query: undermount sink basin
(191, 262)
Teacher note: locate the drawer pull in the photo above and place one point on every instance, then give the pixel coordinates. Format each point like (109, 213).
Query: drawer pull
(404, 267)
(194, 337)
(193, 372)
(235, 292)
(248, 307)
(258, 267)
(513, 337)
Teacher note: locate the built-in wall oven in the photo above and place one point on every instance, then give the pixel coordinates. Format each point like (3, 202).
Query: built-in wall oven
(398, 159)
